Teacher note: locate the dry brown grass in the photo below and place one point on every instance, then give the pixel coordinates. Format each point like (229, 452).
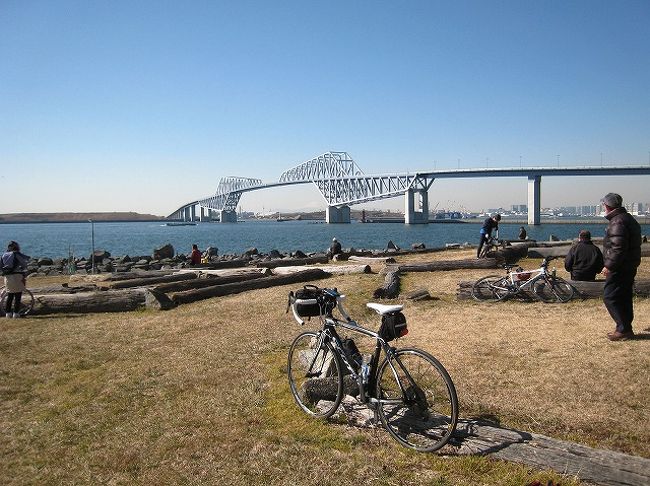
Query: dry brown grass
(199, 394)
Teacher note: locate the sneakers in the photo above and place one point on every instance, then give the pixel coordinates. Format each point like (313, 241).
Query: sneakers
(620, 336)
(17, 315)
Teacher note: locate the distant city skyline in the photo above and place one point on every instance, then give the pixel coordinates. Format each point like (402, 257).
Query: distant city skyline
(143, 106)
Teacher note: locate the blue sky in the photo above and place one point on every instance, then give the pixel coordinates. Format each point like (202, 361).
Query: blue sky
(143, 106)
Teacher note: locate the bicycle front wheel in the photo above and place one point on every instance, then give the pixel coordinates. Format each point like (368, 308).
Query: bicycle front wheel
(491, 288)
(26, 301)
(549, 288)
(417, 400)
(314, 370)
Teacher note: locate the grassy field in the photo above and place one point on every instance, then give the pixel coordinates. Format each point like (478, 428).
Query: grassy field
(198, 394)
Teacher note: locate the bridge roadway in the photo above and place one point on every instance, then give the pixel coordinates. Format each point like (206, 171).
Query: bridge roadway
(342, 192)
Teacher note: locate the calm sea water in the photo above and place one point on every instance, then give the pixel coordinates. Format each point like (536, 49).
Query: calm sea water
(57, 239)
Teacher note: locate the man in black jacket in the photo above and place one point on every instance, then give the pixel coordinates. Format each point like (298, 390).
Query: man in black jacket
(622, 249)
(584, 259)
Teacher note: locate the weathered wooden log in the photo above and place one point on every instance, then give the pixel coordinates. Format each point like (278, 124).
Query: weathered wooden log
(390, 288)
(560, 251)
(370, 260)
(442, 265)
(101, 301)
(472, 437)
(229, 272)
(239, 262)
(151, 281)
(333, 269)
(64, 289)
(109, 277)
(201, 283)
(419, 294)
(237, 287)
(293, 262)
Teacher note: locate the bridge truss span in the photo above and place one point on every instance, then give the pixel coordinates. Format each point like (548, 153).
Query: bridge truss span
(330, 165)
(354, 190)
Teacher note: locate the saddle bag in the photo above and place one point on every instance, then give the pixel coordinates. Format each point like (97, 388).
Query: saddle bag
(393, 326)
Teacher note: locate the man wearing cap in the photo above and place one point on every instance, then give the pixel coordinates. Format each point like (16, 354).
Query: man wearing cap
(622, 255)
(584, 259)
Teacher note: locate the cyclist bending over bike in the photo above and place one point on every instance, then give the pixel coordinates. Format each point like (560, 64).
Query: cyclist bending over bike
(486, 231)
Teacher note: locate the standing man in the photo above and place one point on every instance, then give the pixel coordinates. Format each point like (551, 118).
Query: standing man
(14, 265)
(622, 249)
(486, 231)
(584, 259)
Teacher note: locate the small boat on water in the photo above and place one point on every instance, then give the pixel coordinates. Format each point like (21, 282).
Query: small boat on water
(180, 223)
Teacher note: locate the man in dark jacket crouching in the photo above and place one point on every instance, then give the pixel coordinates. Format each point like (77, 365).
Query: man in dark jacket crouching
(622, 254)
(584, 259)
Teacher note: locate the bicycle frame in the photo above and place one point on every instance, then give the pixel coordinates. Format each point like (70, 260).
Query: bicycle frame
(517, 284)
(329, 334)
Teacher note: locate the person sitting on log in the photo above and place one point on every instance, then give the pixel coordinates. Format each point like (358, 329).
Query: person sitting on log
(584, 259)
(195, 256)
(335, 248)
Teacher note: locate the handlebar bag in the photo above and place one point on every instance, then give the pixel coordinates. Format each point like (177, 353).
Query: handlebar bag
(322, 304)
(393, 326)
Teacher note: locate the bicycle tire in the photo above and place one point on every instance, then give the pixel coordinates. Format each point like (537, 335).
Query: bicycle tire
(26, 301)
(492, 288)
(423, 416)
(315, 376)
(551, 289)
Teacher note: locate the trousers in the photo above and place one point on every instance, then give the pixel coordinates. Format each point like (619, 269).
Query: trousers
(617, 296)
(13, 297)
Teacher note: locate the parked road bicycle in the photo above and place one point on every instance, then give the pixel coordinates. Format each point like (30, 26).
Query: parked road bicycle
(409, 390)
(26, 301)
(542, 284)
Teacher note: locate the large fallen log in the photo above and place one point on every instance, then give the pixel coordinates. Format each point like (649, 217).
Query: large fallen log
(293, 262)
(239, 262)
(109, 277)
(229, 272)
(201, 283)
(333, 269)
(561, 251)
(237, 287)
(370, 260)
(151, 281)
(442, 265)
(101, 301)
(64, 289)
(472, 437)
(390, 288)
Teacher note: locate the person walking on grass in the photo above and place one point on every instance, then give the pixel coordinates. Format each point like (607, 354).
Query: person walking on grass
(14, 266)
(584, 259)
(622, 256)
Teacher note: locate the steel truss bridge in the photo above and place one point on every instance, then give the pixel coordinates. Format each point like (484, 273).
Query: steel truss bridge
(342, 184)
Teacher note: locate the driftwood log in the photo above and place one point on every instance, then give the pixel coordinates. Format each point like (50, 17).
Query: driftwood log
(201, 283)
(418, 294)
(371, 260)
(101, 301)
(441, 265)
(237, 287)
(561, 251)
(473, 437)
(64, 289)
(238, 262)
(333, 269)
(228, 272)
(151, 281)
(109, 277)
(293, 262)
(390, 288)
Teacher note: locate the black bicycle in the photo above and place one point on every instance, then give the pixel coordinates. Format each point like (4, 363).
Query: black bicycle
(409, 390)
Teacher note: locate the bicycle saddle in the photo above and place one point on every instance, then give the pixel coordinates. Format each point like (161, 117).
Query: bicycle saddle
(382, 309)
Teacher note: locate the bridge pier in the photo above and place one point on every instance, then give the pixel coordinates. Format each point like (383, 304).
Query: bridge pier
(337, 215)
(411, 199)
(226, 216)
(534, 199)
(186, 213)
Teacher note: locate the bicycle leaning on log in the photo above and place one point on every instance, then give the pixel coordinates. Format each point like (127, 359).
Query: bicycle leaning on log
(409, 390)
(541, 283)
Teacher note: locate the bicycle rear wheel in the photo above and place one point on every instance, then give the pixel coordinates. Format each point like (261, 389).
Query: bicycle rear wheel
(26, 301)
(417, 400)
(549, 288)
(491, 288)
(315, 375)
